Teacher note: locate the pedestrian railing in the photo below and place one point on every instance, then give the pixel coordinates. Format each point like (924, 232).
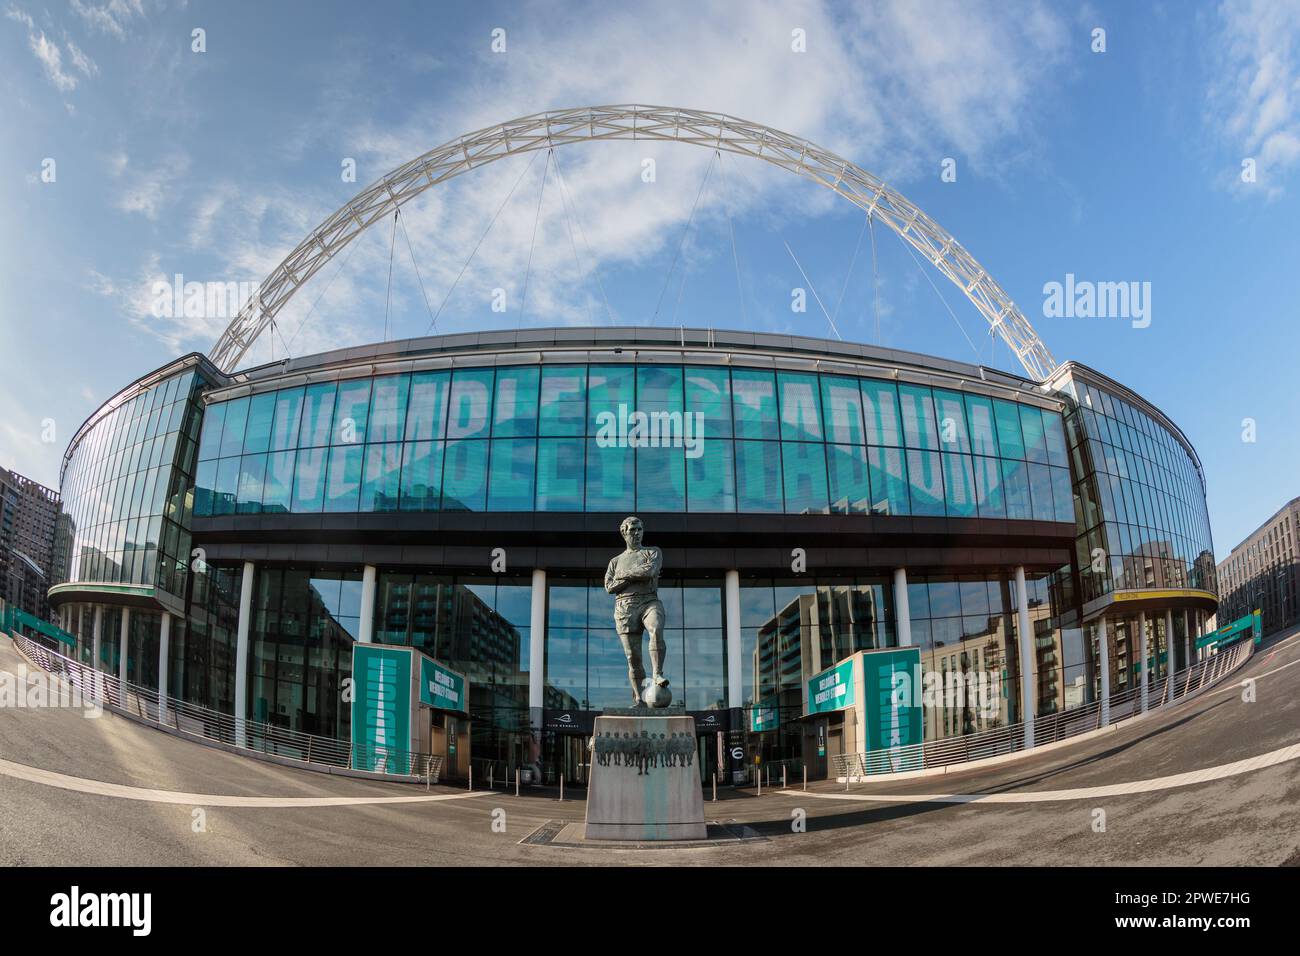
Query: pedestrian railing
(1050, 728)
(190, 719)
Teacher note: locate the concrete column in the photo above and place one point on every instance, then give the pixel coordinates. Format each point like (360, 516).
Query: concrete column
(536, 664)
(1169, 640)
(1169, 653)
(1103, 661)
(97, 631)
(97, 648)
(1187, 637)
(366, 629)
(537, 648)
(902, 610)
(735, 681)
(1142, 658)
(123, 649)
(164, 648)
(241, 654)
(1027, 664)
(1200, 633)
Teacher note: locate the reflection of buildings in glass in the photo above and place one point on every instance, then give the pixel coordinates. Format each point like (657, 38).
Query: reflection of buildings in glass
(1153, 564)
(301, 653)
(1140, 492)
(979, 656)
(1049, 666)
(478, 637)
(453, 624)
(812, 632)
(557, 699)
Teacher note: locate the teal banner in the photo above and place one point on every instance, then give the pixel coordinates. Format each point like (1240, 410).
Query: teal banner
(1151, 663)
(893, 712)
(1231, 633)
(441, 687)
(766, 716)
(16, 617)
(381, 708)
(831, 689)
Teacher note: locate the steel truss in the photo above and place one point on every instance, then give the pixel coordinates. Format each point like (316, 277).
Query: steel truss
(587, 124)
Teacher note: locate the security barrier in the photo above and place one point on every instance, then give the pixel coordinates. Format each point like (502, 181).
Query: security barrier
(191, 720)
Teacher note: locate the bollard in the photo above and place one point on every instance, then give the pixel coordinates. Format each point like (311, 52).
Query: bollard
(561, 788)
(715, 787)
(516, 781)
(758, 775)
(471, 777)
(782, 776)
(491, 769)
(805, 777)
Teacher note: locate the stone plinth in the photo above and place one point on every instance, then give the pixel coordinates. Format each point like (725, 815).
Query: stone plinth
(645, 780)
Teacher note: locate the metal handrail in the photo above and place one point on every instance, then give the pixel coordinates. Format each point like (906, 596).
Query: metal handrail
(194, 720)
(1050, 728)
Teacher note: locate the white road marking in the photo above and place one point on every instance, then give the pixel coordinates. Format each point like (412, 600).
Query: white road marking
(101, 788)
(1205, 775)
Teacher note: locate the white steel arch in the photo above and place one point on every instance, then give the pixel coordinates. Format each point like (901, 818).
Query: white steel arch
(631, 122)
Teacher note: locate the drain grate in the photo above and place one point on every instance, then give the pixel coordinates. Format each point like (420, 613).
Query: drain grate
(545, 834)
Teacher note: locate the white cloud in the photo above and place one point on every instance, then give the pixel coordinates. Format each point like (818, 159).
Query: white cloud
(101, 284)
(895, 88)
(50, 57)
(110, 18)
(1254, 103)
(20, 16)
(47, 52)
(79, 60)
(148, 191)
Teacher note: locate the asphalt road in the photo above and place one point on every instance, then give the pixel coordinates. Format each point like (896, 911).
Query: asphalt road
(130, 795)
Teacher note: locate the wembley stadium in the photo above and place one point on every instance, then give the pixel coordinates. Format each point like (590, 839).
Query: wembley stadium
(239, 539)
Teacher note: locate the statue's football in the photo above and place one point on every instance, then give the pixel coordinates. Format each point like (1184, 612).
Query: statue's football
(656, 695)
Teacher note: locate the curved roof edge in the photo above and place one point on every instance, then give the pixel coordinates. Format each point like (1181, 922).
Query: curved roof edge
(645, 344)
(1092, 376)
(148, 380)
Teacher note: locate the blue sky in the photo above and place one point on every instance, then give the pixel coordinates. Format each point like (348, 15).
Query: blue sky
(1122, 165)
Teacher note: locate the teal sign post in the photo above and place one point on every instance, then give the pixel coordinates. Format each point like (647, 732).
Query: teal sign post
(832, 689)
(441, 687)
(893, 713)
(381, 708)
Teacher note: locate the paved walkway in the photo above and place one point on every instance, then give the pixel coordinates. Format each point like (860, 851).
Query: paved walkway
(1212, 780)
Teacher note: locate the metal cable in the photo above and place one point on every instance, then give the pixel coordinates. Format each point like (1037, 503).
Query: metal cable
(490, 224)
(537, 217)
(681, 242)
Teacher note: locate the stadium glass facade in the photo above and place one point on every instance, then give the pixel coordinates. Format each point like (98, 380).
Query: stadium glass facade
(530, 439)
(461, 495)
